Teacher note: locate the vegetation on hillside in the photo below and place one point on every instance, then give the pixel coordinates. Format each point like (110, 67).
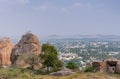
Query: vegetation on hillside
(89, 69)
(50, 58)
(17, 73)
(72, 65)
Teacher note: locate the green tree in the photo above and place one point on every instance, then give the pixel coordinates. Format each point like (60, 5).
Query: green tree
(72, 65)
(50, 57)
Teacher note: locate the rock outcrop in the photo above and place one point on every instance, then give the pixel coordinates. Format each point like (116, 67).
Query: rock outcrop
(64, 72)
(5, 51)
(23, 52)
(109, 65)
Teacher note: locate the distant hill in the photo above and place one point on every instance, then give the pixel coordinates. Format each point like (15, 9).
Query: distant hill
(86, 37)
(78, 37)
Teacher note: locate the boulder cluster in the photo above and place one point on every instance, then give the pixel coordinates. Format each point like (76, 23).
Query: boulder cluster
(19, 54)
(110, 65)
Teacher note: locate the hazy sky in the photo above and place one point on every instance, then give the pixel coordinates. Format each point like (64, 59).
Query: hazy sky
(59, 17)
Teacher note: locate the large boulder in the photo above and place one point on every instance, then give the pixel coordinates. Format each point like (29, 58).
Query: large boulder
(5, 51)
(118, 67)
(24, 52)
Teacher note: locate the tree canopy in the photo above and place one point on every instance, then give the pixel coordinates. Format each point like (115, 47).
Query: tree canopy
(50, 56)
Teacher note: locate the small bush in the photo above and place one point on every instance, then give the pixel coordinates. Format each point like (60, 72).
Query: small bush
(89, 69)
(72, 65)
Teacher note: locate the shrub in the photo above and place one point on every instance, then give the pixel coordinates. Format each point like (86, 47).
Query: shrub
(89, 69)
(72, 65)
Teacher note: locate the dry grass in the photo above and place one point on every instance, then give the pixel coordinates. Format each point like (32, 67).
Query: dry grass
(16, 74)
(98, 75)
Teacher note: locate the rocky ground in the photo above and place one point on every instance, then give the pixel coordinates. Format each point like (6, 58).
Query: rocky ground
(15, 73)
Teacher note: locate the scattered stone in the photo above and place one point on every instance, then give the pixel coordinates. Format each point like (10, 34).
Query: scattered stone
(64, 72)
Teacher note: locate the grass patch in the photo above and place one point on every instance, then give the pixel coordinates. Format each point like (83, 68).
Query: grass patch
(16, 73)
(70, 77)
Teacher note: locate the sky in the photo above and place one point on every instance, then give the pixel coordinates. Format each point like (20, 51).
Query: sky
(59, 17)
